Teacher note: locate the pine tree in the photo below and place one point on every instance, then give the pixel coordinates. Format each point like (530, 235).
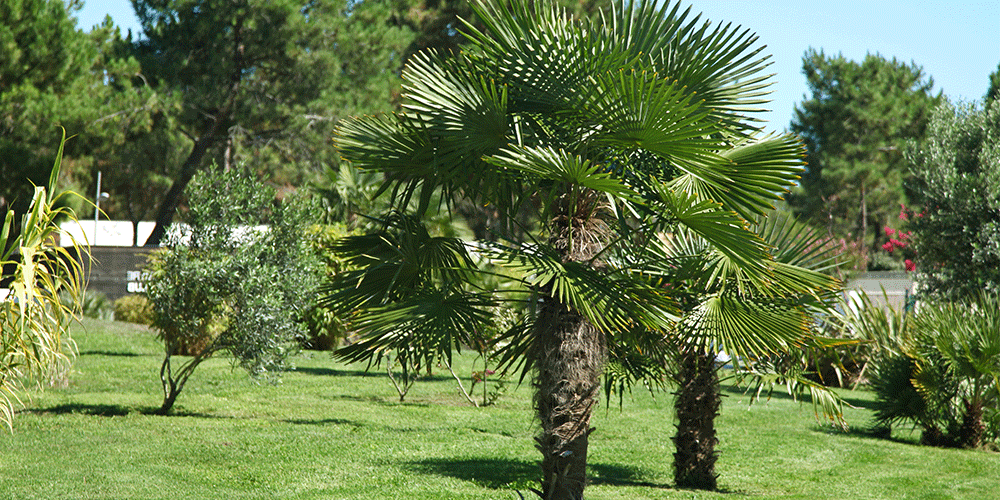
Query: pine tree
(854, 125)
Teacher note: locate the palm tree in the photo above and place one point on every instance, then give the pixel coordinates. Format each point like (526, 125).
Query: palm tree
(610, 132)
(753, 322)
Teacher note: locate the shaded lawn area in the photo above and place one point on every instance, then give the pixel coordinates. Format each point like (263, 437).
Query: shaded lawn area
(332, 431)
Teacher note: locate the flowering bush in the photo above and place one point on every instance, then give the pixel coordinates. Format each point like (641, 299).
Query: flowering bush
(898, 241)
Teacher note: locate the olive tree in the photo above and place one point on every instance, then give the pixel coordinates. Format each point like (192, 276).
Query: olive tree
(232, 280)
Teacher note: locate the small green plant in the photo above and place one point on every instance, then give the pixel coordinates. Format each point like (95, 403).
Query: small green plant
(94, 304)
(134, 309)
(46, 290)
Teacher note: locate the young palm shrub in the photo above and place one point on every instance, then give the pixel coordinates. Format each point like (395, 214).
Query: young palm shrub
(957, 345)
(885, 332)
(609, 133)
(937, 368)
(46, 291)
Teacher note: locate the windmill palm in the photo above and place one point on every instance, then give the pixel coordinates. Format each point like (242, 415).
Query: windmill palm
(611, 132)
(755, 324)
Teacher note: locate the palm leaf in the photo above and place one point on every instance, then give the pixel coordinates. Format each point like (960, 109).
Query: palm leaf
(765, 377)
(720, 66)
(549, 164)
(610, 298)
(744, 327)
(754, 173)
(427, 325)
(724, 230)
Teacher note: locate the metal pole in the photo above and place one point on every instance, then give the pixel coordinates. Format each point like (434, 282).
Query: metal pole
(97, 206)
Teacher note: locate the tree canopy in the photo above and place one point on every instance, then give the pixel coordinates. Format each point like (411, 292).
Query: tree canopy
(54, 75)
(956, 190)
(855, 124)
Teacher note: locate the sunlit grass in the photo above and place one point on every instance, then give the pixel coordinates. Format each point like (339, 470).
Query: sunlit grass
(330, 431)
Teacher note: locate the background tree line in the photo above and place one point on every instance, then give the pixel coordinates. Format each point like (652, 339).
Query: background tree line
(246, 81)
(265, 83)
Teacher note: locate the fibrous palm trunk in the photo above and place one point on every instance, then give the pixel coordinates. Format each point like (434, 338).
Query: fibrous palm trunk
(569, 358)
(697, 404)
(972, 430)
(568, 353)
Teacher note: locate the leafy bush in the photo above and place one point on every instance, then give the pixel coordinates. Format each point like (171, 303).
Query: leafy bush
(325, 330)
(134, 309)
(236, 279)
(954, 177)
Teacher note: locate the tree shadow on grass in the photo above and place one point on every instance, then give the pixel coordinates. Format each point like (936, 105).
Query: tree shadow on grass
(112, 353)
(326, 421)
(331, 372)
(85, 409)
(618, 475)
(373, 372)
(492, 473)
(499, 473)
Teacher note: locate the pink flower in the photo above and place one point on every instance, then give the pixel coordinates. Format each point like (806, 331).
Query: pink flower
(897, 243)
(889, 231)
(887, 246)
(910, 266)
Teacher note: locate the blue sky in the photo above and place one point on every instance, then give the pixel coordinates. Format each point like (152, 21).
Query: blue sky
(956, 42)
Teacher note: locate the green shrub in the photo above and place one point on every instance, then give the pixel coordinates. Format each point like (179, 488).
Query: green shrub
(236, 279)
(325, 331)
(93, 304)
(134, 309)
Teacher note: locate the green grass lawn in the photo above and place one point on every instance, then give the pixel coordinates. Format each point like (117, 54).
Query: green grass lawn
(331, 431)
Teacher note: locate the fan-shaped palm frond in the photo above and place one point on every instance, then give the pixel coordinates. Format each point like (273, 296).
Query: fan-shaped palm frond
(745, 326)
(546, 163)
(757, 173)
(766, 376)
(722, 65)
(386, 267)
(611, 298)
(428, 324)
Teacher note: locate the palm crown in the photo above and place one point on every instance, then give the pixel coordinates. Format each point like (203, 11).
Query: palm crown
(611, 133)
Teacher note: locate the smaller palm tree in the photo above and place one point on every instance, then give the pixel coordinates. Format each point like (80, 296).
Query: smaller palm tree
(752, 319)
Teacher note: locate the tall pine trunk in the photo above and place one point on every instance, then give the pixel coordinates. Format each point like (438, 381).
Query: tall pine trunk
(697, 404)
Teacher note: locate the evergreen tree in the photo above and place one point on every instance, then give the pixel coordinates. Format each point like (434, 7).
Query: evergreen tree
(956, 179)
(855, 124)
(54, 75)
(48, 72)
(994, 91)
(265, 82)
